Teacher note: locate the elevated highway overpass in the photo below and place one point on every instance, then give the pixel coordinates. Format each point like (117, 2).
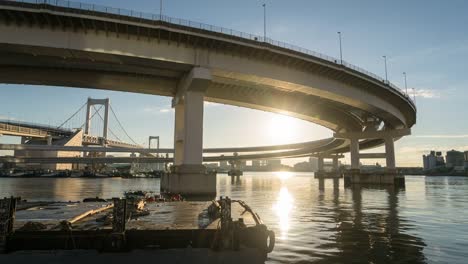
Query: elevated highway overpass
(81, 45)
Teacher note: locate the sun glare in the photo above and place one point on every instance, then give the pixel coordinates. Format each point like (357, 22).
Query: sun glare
(283, 129)
(283, 175)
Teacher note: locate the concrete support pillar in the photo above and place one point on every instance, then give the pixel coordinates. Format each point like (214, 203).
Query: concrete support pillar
(189, 176)
(390, 153)
(335, 164)
(49, 140)
(188, 131)
(193, 127)
(320, 164)
(179, 133)
(354, 149)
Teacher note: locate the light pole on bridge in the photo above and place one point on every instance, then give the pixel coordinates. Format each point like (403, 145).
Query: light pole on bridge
(341, 50)
(160, 9)
(385, 61)
(406, 85)
(264, 22)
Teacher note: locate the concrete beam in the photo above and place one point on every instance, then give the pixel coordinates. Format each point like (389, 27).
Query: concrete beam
(374, 134)
(372, 155)
(327, 156)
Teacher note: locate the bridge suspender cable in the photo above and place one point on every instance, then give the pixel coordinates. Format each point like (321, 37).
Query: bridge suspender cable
(102, 119)
(68, 119)
(120, 124)
(95, 112)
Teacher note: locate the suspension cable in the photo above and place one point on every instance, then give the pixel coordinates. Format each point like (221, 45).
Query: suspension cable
(120, 124)
(110, 130)
(68, 119)
(95, 112)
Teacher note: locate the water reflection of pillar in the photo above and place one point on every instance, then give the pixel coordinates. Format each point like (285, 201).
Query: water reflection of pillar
(375, 236)
(336, 190)
(411, 250)
(321, 184)
(236, 180)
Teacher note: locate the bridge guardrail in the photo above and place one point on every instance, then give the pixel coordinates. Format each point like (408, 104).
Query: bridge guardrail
(19, 129)
(203, 26)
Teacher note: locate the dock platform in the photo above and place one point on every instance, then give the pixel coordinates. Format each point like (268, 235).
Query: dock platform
(209, 232)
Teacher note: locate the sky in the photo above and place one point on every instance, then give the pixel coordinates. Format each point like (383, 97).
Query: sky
(426, 39)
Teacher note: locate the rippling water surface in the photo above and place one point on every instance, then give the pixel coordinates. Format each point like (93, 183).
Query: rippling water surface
(320, 220)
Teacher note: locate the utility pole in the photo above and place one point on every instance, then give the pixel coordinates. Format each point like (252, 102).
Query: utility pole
(341, 50)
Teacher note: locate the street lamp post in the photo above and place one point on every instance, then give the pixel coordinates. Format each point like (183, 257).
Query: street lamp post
(160, 9)
(406, 85)
(385, 61)
(341, 50)
(264, 22)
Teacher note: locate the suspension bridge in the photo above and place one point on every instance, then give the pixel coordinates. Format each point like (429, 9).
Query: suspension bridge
(95, 122)
(101, 131)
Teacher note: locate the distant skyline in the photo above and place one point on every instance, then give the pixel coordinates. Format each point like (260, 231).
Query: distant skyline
(425, 39)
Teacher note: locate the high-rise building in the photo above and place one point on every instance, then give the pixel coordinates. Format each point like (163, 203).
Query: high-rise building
(466, 159)
(454, 158)
(433, 160)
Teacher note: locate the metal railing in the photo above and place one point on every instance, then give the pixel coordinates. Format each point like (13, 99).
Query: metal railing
(5, 127)
(222, 30)
(33, 125)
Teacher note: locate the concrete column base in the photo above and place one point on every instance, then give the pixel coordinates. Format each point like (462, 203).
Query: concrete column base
(389, 177)
(329, 175)
(189, 180)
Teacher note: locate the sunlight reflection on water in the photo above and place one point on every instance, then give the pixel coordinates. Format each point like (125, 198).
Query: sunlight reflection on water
(283, 207)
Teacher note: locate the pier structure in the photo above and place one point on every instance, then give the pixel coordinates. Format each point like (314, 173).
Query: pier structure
(236, 167)
(335, 170)
(64, 44)
(390, 175)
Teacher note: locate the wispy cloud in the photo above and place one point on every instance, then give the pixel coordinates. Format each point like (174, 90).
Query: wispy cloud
(158, 109)
(424, 93)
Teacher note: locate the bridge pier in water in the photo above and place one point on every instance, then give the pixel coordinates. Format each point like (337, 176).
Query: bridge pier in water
(188, 176)
(390, 175)
(334, 172)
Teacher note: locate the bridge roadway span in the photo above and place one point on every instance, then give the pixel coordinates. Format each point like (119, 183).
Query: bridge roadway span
(81, 45)
(305, 149)
(24, 129)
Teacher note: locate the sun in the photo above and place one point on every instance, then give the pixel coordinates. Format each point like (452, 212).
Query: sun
(282, 129)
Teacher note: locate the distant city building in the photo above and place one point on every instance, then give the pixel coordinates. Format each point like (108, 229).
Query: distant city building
(466, 159)
(454, 159)
(433, 160)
